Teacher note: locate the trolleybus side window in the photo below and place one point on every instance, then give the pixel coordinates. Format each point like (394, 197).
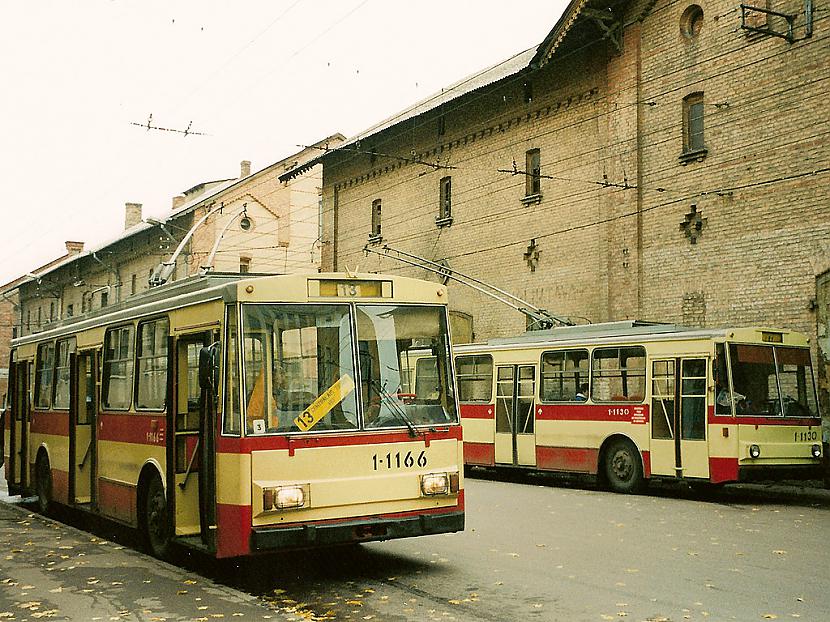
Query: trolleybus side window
(232, 415)
(117, 372)
(723, 394)
(618, 374)
(565, 375)
(662, 399)
(387, 335)
(475, 378)
(60, 399)
(43, 375)
(151, 385)
(795, 374)
(693, 399)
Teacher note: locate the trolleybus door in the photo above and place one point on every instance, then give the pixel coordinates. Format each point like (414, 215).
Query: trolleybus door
(82, 404)
(515, 424)
(192, 499)
(17, 471)
(678, 417)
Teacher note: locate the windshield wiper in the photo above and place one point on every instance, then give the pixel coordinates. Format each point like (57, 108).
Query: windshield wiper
(394, 407)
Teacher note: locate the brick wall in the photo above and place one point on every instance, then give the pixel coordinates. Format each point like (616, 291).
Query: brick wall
(760, 221)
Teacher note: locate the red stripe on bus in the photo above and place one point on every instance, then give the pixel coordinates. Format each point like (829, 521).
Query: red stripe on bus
(60, 486)
(633, 413)
(233, 530)
(481, 454)
(575, 459)
(646, 463)
(477, 411)
(136, 428)
(117, 500)
(259, 443)
(50, 422)
(723, 470)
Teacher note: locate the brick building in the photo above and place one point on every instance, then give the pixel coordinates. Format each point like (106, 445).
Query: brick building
(250, 223)
(649, 159)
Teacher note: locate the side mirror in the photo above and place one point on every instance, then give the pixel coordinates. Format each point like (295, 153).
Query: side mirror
(209, 367)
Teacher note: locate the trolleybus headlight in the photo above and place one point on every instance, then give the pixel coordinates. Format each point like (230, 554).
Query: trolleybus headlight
(283, 498)
(754, 451)
(435, 484)
(816, 451)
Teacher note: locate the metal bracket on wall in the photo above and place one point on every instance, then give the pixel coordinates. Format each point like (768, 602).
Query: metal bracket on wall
(748, 12)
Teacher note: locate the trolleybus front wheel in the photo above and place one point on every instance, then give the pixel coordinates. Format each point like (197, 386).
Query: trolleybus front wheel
(43, 483)
(623, 468)
(156, 529)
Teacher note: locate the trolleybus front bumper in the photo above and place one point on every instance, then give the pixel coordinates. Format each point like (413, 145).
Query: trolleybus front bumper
(752, 473)
(265, 538)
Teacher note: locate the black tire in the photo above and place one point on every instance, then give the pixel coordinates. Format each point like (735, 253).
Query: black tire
(155, 523)
(43, 483)
(623, 467)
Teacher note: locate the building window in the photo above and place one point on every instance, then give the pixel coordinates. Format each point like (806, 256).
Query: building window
(527, 93)
(691, 22)
(28, 319)
(133, 284)
(51, 311)
(70, 310)
(444, 217)
(693, 147)
(39, 317)
(375, 235)
(105, 298)
(533, 177)
(244, 265)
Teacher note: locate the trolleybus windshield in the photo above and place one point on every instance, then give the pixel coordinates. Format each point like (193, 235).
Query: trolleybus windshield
(772, 381)
(390, 339)
(300, 374)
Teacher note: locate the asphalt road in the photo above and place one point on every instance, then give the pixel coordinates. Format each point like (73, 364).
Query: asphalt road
(531, 551)
(541, 552)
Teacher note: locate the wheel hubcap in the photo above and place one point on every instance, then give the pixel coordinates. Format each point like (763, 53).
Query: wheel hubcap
(622, 465)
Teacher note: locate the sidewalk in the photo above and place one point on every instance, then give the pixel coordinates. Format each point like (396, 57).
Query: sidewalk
(51, 571)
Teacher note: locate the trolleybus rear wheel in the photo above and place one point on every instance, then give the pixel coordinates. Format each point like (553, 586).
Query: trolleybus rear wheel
(623, 468)
(43, 483)
(156, 529)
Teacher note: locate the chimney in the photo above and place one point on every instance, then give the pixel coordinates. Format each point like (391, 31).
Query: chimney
(178, 201)
(73, 248)
(244, 169)
(132, 214)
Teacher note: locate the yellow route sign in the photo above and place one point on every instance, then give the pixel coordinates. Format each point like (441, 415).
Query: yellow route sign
(320, 407)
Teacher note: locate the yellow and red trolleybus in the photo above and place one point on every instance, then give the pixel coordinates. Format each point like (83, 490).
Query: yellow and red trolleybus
(633, 401)
(244, 415)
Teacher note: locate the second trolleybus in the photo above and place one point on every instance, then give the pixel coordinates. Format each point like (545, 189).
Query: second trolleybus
(633, 401)
(243, 415)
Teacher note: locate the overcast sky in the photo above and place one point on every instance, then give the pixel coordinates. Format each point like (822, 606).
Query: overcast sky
(259, 78)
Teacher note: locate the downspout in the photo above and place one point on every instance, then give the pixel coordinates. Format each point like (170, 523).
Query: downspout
(639, 129)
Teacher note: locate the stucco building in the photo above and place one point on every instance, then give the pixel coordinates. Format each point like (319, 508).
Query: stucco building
(250, 223)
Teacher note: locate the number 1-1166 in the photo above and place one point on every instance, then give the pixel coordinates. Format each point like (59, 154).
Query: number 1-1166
(398, 460)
